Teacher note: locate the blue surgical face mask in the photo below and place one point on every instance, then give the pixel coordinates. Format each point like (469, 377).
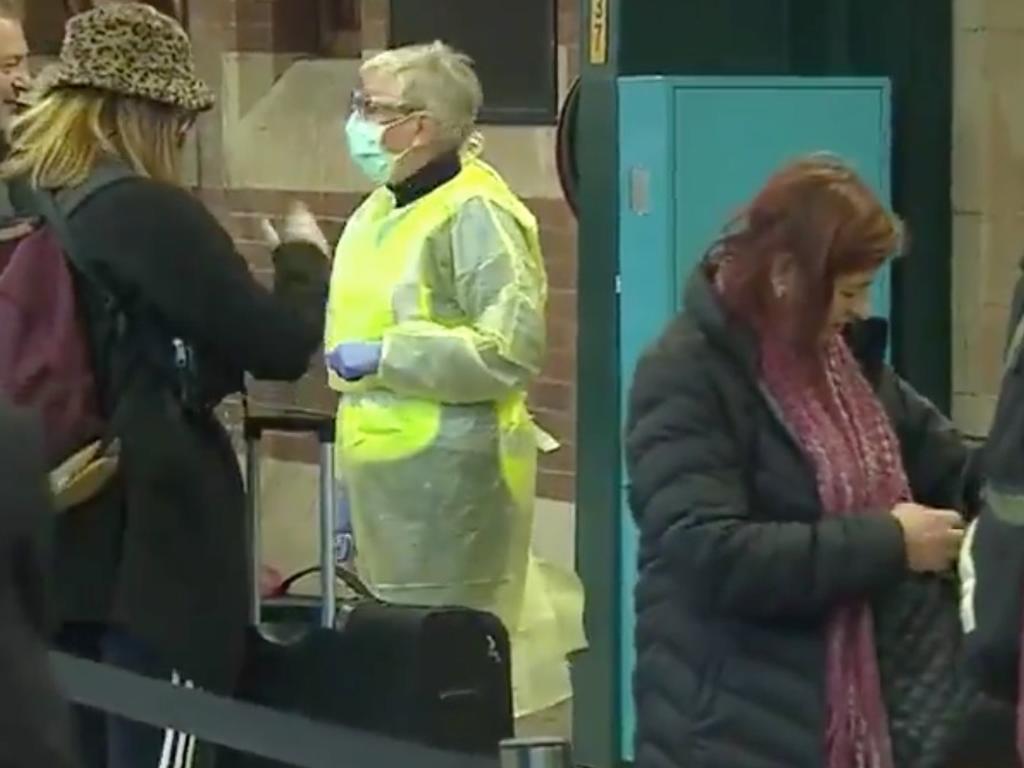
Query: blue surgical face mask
(367, 150)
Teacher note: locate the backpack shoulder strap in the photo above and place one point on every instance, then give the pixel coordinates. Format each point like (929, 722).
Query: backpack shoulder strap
(102, 176)
(56, 207)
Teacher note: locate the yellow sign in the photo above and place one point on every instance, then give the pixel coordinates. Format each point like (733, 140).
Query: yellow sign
(599, 31)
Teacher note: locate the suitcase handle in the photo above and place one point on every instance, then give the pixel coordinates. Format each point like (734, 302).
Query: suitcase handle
(295, 423)
(292, 422)
(344, 575)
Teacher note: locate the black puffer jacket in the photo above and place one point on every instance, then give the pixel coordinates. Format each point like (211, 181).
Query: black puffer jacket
(738, 570)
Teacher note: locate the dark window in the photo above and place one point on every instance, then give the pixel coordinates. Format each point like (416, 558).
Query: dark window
(514, 45)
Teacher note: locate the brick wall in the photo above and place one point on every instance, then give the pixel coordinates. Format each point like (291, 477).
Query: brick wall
(44, 19)
(230, 30)
(988, 197)
(269, 36)
(569, 33)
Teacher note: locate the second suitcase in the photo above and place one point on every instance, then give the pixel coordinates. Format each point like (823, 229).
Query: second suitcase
(437, 676)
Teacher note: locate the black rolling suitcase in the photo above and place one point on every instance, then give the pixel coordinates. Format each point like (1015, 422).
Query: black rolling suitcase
(437, 676)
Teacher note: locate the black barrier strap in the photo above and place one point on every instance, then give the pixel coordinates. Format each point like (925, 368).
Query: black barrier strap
(241, 726)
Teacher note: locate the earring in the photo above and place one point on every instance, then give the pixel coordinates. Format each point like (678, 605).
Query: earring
(779, 288)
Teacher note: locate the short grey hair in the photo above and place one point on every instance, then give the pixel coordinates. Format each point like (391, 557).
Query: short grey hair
(439, 80)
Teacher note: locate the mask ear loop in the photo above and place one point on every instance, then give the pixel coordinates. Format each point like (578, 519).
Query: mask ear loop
(397, 157)
(473, 146)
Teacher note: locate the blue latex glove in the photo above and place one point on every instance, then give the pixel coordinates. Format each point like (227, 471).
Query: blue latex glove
(355, 359)
(344, 538)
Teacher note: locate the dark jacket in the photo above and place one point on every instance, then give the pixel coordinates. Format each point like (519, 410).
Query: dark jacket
(163, 553)
(738, 569)
(993, 561)
(34, 719)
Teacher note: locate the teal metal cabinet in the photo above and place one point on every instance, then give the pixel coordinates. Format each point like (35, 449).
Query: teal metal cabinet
(691, 152)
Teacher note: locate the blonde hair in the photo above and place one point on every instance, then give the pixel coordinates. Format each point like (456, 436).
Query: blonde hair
(58, 140)
(439, 80)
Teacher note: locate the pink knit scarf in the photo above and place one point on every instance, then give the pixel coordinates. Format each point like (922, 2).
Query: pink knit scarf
(849, 440)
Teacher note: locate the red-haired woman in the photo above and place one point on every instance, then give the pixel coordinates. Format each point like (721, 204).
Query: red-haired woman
(782, 477)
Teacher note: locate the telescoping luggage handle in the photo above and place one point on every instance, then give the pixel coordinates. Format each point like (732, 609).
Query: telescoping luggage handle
(297, 423)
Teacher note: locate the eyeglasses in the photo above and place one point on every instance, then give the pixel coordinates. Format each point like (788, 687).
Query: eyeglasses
(369, 106)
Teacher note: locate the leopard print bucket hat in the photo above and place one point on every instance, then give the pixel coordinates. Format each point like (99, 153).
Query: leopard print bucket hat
(130, 49)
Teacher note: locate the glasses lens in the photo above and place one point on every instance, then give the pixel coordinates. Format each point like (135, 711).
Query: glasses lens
(379, 107)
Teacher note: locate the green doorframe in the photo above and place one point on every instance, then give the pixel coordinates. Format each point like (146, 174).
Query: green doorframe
(595, 675)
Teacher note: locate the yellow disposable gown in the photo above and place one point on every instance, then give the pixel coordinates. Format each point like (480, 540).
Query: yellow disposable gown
(437, 451)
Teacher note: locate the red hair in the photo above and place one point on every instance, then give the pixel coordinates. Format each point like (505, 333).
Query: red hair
(813, 221)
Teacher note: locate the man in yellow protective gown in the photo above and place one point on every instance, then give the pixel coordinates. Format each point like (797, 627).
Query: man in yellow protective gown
(435, 327)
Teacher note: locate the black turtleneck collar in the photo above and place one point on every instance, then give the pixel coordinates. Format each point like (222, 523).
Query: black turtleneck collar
(428, 178)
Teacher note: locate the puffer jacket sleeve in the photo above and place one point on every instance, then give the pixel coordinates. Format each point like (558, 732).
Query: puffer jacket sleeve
(938, 462)
(688, 471)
